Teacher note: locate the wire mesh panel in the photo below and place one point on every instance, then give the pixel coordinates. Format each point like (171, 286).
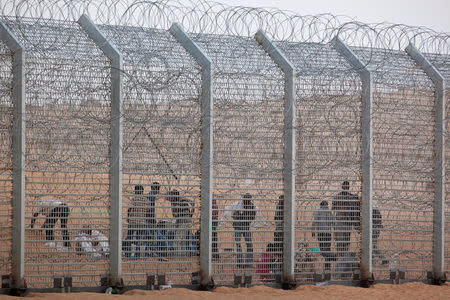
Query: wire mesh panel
(403, 163)
(67, 123)
(248, 158)
(327, 235)
(161, 155)
(6, 134)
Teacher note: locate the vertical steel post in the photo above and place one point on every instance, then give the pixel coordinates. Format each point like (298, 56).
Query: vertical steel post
(207, 151)
(439, 160)
(367, 156)
(115, 164)
(18, 156)
(289, 165)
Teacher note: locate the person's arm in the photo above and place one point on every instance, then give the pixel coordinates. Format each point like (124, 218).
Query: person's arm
(229, 210)
(33, 219)
(259, 218)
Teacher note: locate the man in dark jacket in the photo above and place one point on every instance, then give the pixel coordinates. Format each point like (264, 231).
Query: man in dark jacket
(182, 211)
(376, 227)
(322, 225)
(347, 211)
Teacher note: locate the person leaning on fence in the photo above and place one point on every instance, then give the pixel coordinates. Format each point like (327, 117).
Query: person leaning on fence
(322, 226)
(138, 213)
(53, 210)
(151, 220)
(376, 227)
(182, 211)
(243, 214)
(346, 207)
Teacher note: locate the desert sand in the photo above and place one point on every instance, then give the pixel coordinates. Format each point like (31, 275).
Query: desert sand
(412, 290)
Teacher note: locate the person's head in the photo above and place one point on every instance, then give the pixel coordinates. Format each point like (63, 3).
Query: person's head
(324, 204)
(346, 185)
(173, 195)
(155, 187)
(271, 247)
(247, 198)
(138, 189)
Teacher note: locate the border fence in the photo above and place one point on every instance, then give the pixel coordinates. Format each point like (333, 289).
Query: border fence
(193, 143)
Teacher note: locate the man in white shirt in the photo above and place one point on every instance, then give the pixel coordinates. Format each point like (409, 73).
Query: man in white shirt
(53, 210)
(244, 213)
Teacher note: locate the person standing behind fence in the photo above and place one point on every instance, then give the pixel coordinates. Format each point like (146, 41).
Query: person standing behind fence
(182, 211)
(53, 210)
(279, 226)
(376, 227)
(322, 225)
(151, 220)
(215, 223)
(346, 207)
(243, 213)
(138, 213)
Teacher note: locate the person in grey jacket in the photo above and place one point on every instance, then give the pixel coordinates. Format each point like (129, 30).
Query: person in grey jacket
(322, 226)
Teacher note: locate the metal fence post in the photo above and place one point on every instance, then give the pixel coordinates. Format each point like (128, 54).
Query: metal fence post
(439, 161)
(115, 172)
(18, 157)
(289, 167)
(367, 156)
(207, 152)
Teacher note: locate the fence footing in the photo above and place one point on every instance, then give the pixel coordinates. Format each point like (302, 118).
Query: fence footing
(19, 291)
(367, 282)
(207, 287)
(289, 285)
(436, 280)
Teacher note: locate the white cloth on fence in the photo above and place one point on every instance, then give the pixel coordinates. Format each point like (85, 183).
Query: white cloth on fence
(96, 245)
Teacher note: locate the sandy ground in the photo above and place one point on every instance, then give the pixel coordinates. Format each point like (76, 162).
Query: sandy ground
(379, 291)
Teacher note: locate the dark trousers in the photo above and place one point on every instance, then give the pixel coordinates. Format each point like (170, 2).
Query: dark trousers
(324, 239)
(342, 241)
(135, 233)
(61, 213)
(238, 232)
(214, 241)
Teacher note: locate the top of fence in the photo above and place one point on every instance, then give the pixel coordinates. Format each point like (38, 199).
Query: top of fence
(211, 17)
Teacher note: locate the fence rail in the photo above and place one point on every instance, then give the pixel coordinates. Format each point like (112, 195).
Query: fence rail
(212, 156)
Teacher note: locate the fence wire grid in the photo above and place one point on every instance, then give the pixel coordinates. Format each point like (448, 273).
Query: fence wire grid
(68, 108)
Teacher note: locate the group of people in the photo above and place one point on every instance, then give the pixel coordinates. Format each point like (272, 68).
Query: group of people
(152, 238)
(342, 219)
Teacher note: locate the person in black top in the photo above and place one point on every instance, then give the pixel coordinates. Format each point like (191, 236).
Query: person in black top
(376, 227)
(151, 220)
(347, 211)
(182, 211)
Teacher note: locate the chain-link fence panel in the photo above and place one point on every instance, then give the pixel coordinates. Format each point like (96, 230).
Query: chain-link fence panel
(327, 234)
(248, 158)
(6, 135)
(161, 155)
(67, 125)
(403, 163)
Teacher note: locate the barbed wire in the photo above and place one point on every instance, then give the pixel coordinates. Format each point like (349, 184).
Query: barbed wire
(217, 18)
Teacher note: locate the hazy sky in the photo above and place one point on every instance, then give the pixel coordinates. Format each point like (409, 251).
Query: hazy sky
(434, 14)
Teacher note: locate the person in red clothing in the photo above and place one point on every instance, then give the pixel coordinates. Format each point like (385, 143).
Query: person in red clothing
(267, 266)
